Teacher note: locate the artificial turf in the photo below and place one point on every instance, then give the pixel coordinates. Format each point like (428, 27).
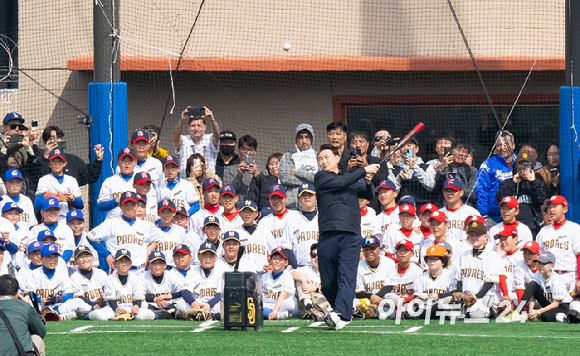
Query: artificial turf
(364, 337)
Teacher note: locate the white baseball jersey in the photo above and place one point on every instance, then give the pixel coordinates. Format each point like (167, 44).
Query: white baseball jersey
(151, 207)
(171, 283)
(169, 240)
(124, 294)
(524, 233)
(564, 243)
(193, 242)
(153, 167)
(554, 288)
(49, 184)
(112, 188)
(394, 235)
(368, 222)
(20, 238)
(246, 265)
(444, 283)
(7, 259)
(177, 274)
(227, 225)
(523, 275)
(46, 287)
(457, 218)
(183, 194)
(197, 219)
(24, 203)
(457, 246)
(272, 288)
(205, 148)
(509, 264)
(475, 271)
(64, 236)
(117, 233)
(256, 245)
(312, 274)
(6, 226)
(373, 279)
(91, 289)
(276, 227)
(302, 233)
(205, 288)
(386, 218)
(405, 281)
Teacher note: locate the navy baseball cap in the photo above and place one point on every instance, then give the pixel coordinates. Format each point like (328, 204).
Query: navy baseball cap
(210, 182)
(13, 116)
(126, 152)
(183, 249)
(142, 177)
(181, 210)
(231, 235)
(228, 189)
(306, 187)
(74, 214)
(81, 249)
(407, 199)
(453, 183)
(142, 198)
(139, 135)
(169, 160)
(278, 251)
(386, 184)
(122, 253)
(277, 189)
(207, 246)
(165, 204)
(45, 234)
(35, 246)
(249, 204)
(129, 196)
(227, 135)
(211, 220)
(11, 174)
(157, 255)
(50, 203)
(266, 211)
(11, 205)
(56, 153)
(48, 250)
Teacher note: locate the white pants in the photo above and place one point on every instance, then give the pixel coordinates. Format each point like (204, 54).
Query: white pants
(107, 313)
(480, 309)
(289, 304)
(71, 305)
(182, 306)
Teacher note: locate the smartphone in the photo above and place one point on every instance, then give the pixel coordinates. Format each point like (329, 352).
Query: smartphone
(249, 159)
(196, 162)
(554, 171)
(61, 145)
(452, 175)
(196, 112)
(528, 167)
(34, 124)
(356, 153)
(16, 138)
(409, 153)
(447, 150)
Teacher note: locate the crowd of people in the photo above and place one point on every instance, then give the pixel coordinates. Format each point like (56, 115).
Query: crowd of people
(176, 219)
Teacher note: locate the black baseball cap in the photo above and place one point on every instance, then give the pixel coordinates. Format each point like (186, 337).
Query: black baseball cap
(227, 135)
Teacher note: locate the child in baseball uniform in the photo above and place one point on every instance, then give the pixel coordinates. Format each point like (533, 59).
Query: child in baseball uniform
(145, 163)
(229, 258)
(142, 184)
(162, 288)
(307, 280)
(181, 218)
(303, 227)
(508, 242)
(51, 214)
(76, 221)
(13, 183)
(407, 216)
(509, 208)
(181, 191)
(367, 218)
(278, 288)
(253, 236)
(526, 268)
(211, 206)
(230, 218)
(113, 187)
(439, 227)
(18, 240)
(170, 235)
(406, 272)
(87, 282)
(58, 185)
(387, 193)
(33, 261)
(424, 215)
(455, 210)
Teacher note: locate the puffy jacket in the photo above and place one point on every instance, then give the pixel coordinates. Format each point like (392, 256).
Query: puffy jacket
(491, 172)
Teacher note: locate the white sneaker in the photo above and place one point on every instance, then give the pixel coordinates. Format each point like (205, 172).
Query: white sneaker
(341, 324)
(282, 315)
(68, 316)
(561, 317)
(332, 320)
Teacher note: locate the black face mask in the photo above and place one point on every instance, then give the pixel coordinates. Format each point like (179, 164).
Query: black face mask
(227, 150)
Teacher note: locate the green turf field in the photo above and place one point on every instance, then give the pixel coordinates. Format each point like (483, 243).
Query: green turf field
(300, 337)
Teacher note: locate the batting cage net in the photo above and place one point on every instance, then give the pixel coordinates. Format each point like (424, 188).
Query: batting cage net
(465, 69)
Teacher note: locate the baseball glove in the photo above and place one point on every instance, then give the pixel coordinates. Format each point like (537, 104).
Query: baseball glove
(369, 310)
(467, 299)
(197, 315)
(318, 315)
(55, 299)
(123, 317)
(49, 315)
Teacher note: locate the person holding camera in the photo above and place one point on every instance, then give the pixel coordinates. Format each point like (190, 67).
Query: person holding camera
(550, 173)
(196, 141)
(383, 144)
(453, 166)
(154, 138)
(21, 327)
(247, 168)
(528, 188)
(17, 137)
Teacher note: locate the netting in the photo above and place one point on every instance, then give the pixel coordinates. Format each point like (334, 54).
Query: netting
(370, 64)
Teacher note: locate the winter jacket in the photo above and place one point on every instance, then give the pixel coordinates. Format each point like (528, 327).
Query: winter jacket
(491, 172)
(258, 191)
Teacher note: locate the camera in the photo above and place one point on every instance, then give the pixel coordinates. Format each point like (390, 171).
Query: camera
(196, 112)
(527, 167)
(249, 159)
(356, 153)
(86, 120)
(554, 171)
(16, 138)
(34, 124)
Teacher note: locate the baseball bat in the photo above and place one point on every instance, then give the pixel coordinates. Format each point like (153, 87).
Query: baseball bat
(418, 128)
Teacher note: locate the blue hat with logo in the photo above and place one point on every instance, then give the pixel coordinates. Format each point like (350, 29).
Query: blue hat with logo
(35, 246)
(81, 249)
(13, 116)
(57, 153)
(211, 220)
(11, 174)
(228, 189)
(386, 184)
(231, 235)
(48, 250)
(139, 135)
(50, 203)
(11, 205)
(207, 246)
(183, 249)
(126, 152)
(157, 255)
(453, 183)
(407, 199)
(123, 252)
(44, 234)
(210, 182)
(277, 189)
(169, 160)
(165, 204)
(306, 187)
(74, 214)
(266, 211)
(249, 204)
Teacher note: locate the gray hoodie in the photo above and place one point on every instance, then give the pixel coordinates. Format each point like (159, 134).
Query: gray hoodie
(305, 164)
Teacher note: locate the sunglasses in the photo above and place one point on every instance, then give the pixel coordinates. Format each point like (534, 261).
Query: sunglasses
(378, 138)
(313, 255)
(369, 240)
(19, 126)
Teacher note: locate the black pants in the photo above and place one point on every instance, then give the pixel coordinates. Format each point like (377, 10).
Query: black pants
(533, 289)
(338, 257)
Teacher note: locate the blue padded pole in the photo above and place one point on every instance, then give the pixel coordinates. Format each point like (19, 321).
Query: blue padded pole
(569, 152)
(109, 112)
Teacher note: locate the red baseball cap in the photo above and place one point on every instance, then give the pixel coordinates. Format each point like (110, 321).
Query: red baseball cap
(439, 216)
(407, 208)
(506, 231)
(558, 199)
(428, 207)
(532, 246)
(512, 202)
(407, 243)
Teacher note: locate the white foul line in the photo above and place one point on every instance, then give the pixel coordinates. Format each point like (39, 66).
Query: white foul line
(81, 328)
(289, 330)
(207, 323)
(316, 324)
(413, 329)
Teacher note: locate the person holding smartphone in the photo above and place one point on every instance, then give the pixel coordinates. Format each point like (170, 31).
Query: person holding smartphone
(415, 177)
(248, 168)
(17, 137)
(454, 166)
(528, 188)
(550, 173)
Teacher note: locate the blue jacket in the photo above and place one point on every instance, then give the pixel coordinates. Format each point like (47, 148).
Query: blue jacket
(490, 174)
